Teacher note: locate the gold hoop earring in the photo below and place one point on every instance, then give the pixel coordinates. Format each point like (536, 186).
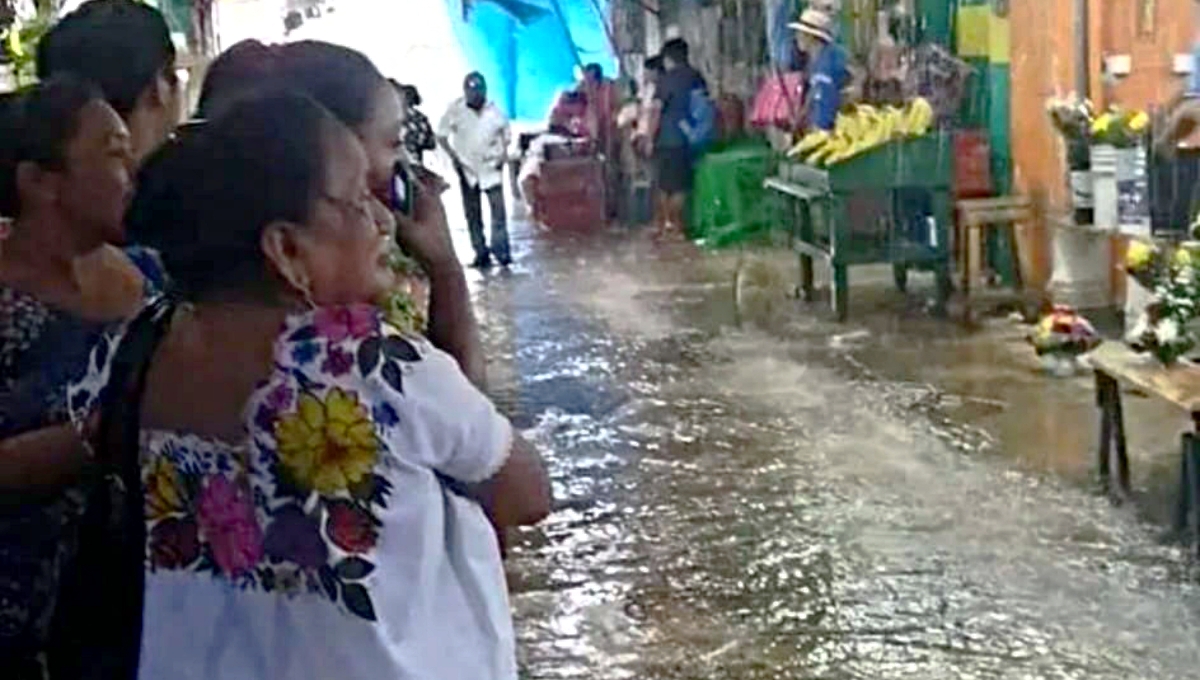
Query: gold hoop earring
(306, 295)
(300, 285)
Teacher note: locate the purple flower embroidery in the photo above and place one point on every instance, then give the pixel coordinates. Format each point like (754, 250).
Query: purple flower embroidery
(338, 362)
(280, 398)
(295, 537)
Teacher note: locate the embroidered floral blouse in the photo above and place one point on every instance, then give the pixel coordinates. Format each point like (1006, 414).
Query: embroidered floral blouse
(325, 543)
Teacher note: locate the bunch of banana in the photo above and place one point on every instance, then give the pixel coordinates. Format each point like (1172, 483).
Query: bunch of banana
(863, 128)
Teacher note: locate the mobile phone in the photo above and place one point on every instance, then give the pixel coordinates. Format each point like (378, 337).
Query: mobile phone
(189, 129)
(402, 190)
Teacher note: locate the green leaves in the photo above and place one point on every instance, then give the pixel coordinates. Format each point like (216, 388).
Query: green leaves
(358, 601)
(369, 353)
(353, 568)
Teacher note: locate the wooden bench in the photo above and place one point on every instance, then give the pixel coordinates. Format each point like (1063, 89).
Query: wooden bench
(1115, 363)
(1013, 214)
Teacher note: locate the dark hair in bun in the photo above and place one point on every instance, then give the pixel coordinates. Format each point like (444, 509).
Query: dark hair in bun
(122, 46)
(209, 194)
(342, 80)
(243, 69)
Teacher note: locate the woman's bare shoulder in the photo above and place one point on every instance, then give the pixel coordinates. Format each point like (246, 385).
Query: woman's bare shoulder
(113, 286)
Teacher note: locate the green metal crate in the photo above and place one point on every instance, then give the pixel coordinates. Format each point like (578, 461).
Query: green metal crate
(728, 199)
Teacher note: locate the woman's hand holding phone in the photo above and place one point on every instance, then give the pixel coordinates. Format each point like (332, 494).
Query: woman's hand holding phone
(424, 233)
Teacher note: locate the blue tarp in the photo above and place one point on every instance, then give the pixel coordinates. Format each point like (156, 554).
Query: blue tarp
(529, 49)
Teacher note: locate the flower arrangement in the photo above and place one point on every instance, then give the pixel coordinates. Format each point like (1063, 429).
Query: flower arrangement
(1163, 328)
(1064, 332)
(1121, 128)
(1071, 116)
(1145, 263)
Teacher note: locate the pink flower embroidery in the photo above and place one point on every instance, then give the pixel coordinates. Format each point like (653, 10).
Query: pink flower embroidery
(338, 323)
(227, 520)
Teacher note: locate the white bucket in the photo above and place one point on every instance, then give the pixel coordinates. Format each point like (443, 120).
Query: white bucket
(1137, 298)
(1082, 195)
(1133, 192)
(1082, 263)
(1104, 186)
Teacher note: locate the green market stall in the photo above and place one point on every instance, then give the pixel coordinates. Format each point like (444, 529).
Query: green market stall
(891, 205)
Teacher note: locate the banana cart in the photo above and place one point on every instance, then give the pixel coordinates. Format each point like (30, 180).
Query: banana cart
(891, 204)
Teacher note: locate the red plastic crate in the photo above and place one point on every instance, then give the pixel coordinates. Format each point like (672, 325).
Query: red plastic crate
(573, 195)
(972, 164)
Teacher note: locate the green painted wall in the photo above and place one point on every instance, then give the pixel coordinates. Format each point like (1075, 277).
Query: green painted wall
(982, 39)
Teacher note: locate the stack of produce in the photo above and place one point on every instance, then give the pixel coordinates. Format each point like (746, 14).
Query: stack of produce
(861, 129)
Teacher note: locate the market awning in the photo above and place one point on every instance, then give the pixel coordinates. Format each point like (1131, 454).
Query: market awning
(529, 49)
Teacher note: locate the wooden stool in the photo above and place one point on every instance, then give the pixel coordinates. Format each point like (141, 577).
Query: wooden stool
(976, 216)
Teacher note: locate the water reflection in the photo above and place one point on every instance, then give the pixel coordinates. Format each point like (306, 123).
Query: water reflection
(736, 506)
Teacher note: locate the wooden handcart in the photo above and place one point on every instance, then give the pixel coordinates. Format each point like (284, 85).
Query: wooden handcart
(816, 202)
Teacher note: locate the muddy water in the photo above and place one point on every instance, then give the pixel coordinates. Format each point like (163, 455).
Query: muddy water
(734, 504)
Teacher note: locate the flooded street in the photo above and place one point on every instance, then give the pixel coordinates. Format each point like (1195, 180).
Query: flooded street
(758, 498)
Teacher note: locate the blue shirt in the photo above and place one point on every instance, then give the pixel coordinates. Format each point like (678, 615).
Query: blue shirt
(674, 91)
(827, 77)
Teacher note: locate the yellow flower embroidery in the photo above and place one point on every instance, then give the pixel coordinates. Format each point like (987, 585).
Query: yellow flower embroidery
(164, 491)
(328, 445)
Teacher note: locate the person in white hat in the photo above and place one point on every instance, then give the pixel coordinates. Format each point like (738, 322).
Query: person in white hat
(828, 72)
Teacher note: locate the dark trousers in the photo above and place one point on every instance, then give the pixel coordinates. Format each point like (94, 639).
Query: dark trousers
(473, 207)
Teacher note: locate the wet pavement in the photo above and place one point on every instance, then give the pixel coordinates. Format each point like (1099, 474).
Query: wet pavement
(749, 490)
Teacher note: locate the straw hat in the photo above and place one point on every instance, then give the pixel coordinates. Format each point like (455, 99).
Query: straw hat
(816, 23)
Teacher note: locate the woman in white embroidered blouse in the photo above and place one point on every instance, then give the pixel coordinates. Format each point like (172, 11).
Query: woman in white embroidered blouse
(317, 483)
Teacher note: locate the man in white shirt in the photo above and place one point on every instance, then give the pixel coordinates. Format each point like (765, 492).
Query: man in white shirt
(475, 133)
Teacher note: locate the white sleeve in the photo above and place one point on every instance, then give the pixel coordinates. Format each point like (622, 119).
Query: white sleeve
(445, 422)
(447, 124)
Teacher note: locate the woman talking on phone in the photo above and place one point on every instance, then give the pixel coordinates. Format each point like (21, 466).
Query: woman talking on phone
(348, 85)
(317, 483)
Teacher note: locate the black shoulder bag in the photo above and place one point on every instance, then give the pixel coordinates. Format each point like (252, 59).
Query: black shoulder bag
(97, 628)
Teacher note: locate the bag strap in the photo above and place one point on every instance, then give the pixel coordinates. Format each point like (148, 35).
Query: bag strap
(98, 625)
